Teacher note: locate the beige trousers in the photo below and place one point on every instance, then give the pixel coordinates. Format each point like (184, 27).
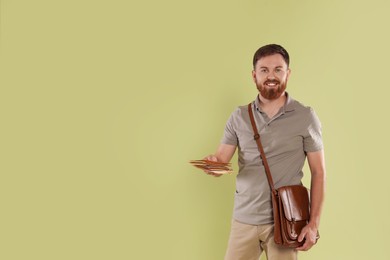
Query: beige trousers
(247, 242)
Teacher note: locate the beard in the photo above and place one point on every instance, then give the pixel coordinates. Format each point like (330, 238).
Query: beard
(271, 93)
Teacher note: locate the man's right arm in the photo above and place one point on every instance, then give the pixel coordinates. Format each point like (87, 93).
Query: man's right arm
(224, 154)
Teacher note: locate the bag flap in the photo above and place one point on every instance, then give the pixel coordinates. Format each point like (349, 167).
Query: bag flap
(295, 200)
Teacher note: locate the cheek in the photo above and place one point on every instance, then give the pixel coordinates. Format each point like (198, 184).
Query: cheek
(258, 78)
(284, 78)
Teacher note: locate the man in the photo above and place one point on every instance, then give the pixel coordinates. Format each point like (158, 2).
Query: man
(290, 133)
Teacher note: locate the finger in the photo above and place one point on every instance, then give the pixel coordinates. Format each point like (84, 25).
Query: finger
(215, 174)
(211, 157)
(212, 173)
(302, 235)
(301, 248)
(208, 172)
(306, 246)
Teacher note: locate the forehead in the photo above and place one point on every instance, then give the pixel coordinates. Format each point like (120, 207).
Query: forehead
(271, 61)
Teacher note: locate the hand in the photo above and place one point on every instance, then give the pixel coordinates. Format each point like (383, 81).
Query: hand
(309, 233)
(214, 159)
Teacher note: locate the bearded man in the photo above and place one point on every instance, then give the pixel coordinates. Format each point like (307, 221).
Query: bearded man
(290, 133)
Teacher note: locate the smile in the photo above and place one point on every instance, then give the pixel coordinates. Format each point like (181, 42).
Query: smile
(271, 84)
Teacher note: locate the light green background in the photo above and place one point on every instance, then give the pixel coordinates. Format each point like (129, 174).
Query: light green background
(104, 102)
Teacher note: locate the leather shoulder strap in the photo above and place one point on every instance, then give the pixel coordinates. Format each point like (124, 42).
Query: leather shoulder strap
(256, 136)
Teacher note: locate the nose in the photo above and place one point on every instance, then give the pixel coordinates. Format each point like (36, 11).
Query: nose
(271, 75)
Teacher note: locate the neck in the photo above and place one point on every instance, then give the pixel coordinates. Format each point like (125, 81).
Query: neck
(271, 107)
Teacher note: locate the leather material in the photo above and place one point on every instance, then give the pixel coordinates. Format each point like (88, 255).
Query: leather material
(294, 213)
(277, 228)
(292, 198)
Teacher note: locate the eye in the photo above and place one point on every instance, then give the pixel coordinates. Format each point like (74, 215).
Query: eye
(263, 70)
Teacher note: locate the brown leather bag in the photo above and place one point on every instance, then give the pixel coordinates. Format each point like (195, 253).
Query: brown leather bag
(291, 204)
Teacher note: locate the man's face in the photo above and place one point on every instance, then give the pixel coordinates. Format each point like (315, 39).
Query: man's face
(270, 76)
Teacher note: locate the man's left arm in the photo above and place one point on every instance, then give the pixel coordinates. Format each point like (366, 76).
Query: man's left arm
(317, 191)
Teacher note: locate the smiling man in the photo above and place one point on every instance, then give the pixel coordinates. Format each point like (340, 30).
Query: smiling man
(290, 133)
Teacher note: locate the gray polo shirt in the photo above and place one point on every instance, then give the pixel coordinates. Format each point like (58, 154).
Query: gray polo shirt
(286, 138)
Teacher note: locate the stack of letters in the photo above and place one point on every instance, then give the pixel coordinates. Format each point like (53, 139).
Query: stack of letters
(214, 167)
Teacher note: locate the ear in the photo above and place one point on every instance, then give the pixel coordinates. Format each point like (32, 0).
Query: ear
(254, 75)
(288, 73)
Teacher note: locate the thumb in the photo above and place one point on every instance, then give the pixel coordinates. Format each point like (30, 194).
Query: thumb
(211, 157)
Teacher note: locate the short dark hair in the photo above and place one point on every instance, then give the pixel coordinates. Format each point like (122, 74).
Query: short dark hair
(268, 50)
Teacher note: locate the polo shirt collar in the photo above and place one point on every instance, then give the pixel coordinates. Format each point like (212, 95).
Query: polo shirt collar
(288, 106)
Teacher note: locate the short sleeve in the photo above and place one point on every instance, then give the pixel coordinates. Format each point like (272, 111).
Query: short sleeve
(229, 135)
(312, 140)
